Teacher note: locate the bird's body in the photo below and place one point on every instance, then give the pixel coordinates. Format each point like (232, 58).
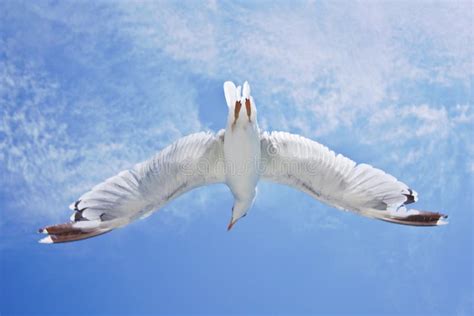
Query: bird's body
(240, 157)
(241, 153)
(242, 160)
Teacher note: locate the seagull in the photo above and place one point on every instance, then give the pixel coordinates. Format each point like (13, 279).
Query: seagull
(240, 156)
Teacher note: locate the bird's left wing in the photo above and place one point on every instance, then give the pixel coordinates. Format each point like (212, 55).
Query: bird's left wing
(338, 181)
(192, 161)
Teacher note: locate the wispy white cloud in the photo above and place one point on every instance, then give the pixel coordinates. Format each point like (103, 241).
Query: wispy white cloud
(317, 68)
(57, 142)
(401, 123)
(90, 88)
(332, 64)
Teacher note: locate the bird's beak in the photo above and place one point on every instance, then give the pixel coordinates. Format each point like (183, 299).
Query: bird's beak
(231, 224)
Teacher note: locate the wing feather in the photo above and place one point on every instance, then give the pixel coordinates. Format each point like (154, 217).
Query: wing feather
(338, 181)
(188, 163)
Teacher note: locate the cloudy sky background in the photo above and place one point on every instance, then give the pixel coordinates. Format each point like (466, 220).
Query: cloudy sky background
(89, 88)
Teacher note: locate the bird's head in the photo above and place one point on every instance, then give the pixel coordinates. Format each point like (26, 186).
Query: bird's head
(242, 109)
(239, 210)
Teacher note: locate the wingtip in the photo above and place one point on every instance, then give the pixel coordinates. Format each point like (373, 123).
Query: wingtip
(442, 220)
(416, 218)
(46, 240)
(42, 231)
(74, 231)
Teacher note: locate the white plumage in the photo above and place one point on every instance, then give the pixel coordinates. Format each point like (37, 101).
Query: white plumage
(336, 180)
(239, 157)
(190, 162)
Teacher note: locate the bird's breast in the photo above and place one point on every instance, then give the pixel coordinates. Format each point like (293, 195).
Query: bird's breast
(242, 159)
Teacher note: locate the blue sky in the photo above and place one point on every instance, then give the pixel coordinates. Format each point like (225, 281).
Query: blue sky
(89, 88)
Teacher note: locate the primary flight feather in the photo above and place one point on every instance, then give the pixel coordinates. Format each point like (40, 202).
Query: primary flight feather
(240, 156)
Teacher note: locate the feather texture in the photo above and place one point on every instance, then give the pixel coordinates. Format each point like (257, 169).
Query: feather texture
(190, 162)
(338, 181)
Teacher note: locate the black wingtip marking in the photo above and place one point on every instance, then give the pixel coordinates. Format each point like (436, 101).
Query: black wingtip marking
(76, 205)
(78, 212)
(78, 216)
(410, 197)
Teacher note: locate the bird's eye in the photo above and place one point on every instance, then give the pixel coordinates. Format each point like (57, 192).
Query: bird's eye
(244, 215)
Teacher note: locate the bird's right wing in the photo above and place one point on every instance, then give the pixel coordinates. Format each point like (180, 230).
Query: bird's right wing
(190, 162)
(338, 181)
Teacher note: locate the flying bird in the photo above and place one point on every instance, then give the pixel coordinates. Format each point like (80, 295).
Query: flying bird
(240, 156)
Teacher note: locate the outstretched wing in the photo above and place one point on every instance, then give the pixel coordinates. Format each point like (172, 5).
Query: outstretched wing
(338, 181)
(190, 162)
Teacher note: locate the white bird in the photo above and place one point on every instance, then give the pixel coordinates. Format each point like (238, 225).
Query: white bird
(240, 156)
